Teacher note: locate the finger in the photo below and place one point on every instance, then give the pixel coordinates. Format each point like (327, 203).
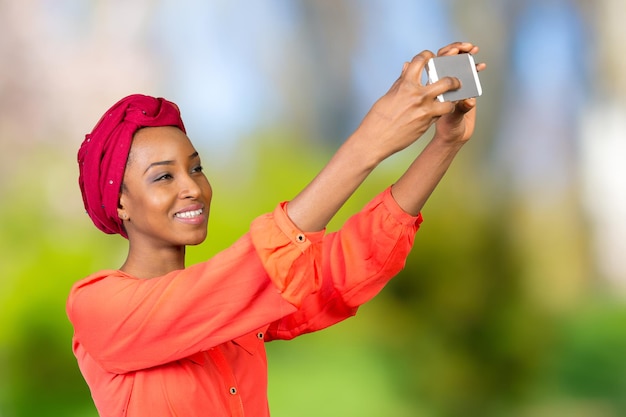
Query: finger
(463, 106)
(399, 79)
(444, 85)
(457, 48)
(448, 51)
(444, 107)
(404, 67)
(481, 66)
(415, 68)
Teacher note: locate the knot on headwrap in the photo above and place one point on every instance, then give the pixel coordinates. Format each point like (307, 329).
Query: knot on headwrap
(103, 154)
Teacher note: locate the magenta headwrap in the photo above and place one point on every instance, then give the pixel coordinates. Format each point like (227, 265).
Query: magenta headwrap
(103, 154)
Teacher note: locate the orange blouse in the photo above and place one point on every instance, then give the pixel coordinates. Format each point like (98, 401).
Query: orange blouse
(191, 343)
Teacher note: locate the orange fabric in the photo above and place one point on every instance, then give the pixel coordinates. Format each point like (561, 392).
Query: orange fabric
(191, 343)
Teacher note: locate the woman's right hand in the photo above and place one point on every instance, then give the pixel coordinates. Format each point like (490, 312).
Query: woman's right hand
(405, 112)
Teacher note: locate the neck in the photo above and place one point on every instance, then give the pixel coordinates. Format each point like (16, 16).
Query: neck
(154, 263)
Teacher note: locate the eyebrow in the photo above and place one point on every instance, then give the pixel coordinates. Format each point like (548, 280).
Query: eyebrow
(168, 162)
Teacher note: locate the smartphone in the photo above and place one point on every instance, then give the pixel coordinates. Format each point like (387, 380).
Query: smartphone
(461, 66)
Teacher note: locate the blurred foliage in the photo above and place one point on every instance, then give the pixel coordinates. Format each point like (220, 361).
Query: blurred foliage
(456, 333)
(499, 311)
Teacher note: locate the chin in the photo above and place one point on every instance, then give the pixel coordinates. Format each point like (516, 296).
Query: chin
(196, 240)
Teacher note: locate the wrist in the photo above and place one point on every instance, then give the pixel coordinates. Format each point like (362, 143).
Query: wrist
(450, 142)
(359, 154)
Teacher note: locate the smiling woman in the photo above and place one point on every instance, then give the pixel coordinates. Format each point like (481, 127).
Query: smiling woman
(164, 200)
(156, 338)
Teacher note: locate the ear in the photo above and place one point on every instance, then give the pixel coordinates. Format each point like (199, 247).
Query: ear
(121, 211)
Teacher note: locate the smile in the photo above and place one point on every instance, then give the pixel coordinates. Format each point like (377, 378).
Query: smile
(189, 214)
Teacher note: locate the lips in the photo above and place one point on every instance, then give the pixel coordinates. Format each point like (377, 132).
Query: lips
(193, 214)
(189, 214)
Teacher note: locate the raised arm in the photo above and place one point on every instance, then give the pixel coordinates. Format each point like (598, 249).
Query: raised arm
(395, 121)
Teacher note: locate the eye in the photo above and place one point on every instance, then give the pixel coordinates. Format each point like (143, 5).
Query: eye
(163, 177)
(197, 169)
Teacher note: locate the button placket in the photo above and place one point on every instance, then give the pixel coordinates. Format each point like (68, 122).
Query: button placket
(236, 406)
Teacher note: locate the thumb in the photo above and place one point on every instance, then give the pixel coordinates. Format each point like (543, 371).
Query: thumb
(464, 106)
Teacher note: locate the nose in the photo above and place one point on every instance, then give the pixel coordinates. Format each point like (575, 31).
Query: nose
(189, 188)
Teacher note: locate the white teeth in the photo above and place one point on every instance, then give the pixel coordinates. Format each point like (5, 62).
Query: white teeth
(189, 214)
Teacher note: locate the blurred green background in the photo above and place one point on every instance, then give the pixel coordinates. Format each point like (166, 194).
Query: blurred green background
(512, 302)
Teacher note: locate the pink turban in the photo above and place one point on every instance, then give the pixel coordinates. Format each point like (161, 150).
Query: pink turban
(103, 154)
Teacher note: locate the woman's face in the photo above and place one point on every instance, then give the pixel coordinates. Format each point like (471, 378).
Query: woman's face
(165, 196)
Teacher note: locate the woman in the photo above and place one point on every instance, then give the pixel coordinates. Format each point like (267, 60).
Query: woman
(154, 338)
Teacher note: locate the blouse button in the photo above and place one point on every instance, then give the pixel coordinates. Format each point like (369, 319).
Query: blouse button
(232, 390)
(301, 238)
(259, 335)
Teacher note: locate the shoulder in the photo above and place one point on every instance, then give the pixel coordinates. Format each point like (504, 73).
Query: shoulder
(97, 286)
(98, 277)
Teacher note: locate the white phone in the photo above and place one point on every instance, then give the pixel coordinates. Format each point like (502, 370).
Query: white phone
(461, 66)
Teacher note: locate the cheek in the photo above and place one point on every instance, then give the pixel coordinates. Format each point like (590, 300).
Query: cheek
(151, 201)
(157, 201)
(207, 190)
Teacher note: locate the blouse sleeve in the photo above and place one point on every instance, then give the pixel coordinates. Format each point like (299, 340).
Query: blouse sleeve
(357, 262)
(125, 323)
